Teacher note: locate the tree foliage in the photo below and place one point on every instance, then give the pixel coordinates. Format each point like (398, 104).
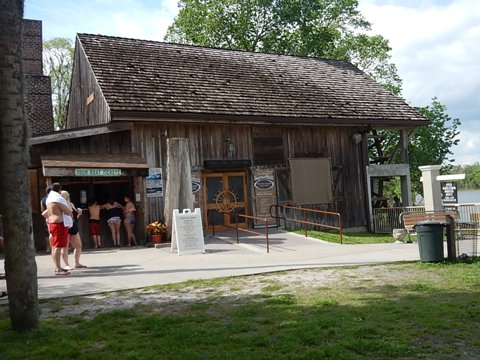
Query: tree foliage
(332, 29)
(319, 28)
(58, 63)
(431, 145)
(20, 266)
(472, 175)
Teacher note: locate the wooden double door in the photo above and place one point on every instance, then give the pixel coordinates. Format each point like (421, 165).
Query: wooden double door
(224, 195)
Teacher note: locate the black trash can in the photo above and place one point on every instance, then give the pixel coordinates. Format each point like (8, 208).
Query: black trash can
(430, 240)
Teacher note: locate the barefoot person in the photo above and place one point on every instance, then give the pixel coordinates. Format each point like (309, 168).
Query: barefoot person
(129, 221)
(73, 235)
(57, 207)
(94, 224)
(114, 220)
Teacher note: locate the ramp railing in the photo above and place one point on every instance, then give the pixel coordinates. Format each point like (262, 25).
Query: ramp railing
(304, 216)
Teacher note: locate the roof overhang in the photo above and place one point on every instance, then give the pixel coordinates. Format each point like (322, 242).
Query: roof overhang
(79, 133)
(94, 165)
(129, 115)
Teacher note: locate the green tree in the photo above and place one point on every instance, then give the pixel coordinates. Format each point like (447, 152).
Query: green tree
(20, 265)
(58, 63)
(472, 176)
(431, 145)
(332, 29)
(320, 28)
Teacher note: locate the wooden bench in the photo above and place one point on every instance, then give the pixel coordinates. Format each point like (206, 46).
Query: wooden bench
(410, 219)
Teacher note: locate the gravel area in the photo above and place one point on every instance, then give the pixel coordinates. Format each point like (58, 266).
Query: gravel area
(236, 289)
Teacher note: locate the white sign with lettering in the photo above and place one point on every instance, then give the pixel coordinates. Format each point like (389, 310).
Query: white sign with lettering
(187, 232)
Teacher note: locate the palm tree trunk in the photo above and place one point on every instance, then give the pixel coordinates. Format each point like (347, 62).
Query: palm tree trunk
(20, 265)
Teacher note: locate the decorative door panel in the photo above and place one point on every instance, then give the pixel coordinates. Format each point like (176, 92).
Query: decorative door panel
(225, 194)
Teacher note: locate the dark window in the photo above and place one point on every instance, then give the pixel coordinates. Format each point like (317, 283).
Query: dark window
(268, 150)
(284, 187)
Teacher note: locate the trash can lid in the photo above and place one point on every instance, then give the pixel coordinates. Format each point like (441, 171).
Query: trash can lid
(431, 223)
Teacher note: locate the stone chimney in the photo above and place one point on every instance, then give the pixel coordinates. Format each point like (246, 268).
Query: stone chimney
(38, 91)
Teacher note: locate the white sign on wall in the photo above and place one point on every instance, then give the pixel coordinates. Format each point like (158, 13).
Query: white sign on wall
(265, 195)
(154, 183)
(187, 232)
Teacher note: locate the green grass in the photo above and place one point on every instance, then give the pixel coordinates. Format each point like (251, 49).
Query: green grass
(399, 311)
(349, 238)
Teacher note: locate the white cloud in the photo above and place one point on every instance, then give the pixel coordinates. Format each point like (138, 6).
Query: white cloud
(435, 45)
(148, 19)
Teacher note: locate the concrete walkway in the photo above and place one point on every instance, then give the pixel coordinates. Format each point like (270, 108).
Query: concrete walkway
(126, 268)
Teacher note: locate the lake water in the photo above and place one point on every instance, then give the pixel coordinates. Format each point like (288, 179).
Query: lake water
(468, 196)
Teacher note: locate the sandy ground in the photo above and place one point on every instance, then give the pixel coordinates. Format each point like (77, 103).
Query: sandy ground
(235, 290)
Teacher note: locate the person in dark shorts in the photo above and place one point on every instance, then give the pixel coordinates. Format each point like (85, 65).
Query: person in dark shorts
(73, 235)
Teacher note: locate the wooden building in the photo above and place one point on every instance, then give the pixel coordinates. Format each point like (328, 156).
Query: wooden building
(297, 124)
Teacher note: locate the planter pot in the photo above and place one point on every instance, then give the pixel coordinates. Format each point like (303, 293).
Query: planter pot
(156, 238)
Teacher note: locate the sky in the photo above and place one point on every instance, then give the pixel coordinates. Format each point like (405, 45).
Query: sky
(435, 45)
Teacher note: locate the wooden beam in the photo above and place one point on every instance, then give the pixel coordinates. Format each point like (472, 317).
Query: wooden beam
(78, 133)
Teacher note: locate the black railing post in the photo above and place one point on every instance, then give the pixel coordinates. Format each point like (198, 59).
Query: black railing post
(266, 236)
(305, 221)
(236, 225)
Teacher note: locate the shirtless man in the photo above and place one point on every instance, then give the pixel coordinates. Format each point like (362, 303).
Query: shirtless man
(56, 207)
(94, 224)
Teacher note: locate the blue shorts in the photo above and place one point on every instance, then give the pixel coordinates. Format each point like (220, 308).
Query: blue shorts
(131, 218)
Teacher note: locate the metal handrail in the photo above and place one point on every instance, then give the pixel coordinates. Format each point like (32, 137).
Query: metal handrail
(237, 228)
(265, 220)
(304, 221)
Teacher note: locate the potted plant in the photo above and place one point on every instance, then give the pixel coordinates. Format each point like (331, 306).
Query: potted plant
(156, 230)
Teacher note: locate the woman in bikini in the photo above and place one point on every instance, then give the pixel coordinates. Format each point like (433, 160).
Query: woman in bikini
(130, 220)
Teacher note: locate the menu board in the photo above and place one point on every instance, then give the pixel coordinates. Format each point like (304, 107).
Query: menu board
(187, 232)
(265, 194)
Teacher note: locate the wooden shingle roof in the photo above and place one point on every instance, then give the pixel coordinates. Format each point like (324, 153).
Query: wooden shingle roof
(139, 76)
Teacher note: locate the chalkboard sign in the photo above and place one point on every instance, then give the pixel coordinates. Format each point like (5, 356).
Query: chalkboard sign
(187, 232)
(449, 192)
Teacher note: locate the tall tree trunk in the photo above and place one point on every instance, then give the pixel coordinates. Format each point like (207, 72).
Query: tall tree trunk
(178, 190)
(20, 265)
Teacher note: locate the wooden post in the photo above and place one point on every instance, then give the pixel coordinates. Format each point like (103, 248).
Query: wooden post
(406, 186)
(451, 240)
(178, 189)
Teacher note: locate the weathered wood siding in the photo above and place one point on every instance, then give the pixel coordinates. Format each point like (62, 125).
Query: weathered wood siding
(208, 142)
(87, 104)
(110, 143)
